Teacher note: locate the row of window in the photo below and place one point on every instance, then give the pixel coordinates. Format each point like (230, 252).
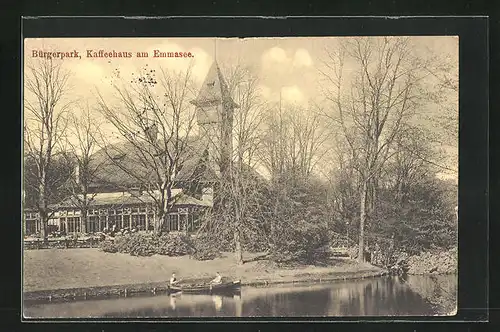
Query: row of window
(175, 222)
(117, 211)
(98, 224)
(31, 215)
(100, 212)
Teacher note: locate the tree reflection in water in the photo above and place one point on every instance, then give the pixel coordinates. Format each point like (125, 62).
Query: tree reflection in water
(370, 297)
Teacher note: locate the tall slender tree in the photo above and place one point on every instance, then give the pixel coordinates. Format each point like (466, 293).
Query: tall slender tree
(370, 106)
(237, 194)
(81, 144)
(45, 104)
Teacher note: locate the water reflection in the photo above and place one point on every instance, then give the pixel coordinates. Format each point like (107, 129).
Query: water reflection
(218, 302)
(372, 297)
(173, 300)
(238, 305)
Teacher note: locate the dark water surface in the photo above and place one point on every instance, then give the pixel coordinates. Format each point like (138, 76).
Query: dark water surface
(386, 296)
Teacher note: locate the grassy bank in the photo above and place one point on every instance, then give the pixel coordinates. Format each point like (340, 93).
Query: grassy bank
(79, 269)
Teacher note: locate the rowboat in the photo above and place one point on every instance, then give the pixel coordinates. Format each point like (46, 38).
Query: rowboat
(225, 287)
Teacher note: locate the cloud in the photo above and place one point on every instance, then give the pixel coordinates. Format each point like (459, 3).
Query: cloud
(292, 94)
(275, 54)
(278, 56)
(265, 91)
(302, 58)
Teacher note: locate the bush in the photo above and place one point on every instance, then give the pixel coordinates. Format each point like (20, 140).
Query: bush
(207, 254)
(207, 247)
(108, 246)
(252, 242)
(141, 244)
(136, 244)
(442, 262)
(173, 244)
(299, 242)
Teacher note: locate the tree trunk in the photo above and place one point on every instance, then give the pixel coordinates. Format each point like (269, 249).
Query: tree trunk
(158, 223)
(43, 223)
(237, 246)
(362, 219)
(42, 210)
(83, 220)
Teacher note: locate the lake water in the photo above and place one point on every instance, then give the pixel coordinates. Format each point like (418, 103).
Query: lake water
(385, 296)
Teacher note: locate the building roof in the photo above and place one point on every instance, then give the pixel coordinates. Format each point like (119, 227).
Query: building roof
(214, 89)
(118, 199)
(126, 165)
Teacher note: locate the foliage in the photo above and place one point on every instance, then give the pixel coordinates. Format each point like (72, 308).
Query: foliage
(299, 243)
(173, 244)
(145, 244)
(108, 246)
(298, 227)
(442, 262)
(207, 247)
(424, 219)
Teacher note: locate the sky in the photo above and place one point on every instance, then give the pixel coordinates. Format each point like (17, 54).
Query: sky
(287, 63)
(284, 65)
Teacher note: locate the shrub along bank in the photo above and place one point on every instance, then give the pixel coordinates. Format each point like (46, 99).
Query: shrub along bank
(170, 244)
(438, 262)
(296, 245)
(148, 244)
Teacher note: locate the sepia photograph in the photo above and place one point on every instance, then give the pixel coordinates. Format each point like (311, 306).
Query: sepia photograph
(240, 177)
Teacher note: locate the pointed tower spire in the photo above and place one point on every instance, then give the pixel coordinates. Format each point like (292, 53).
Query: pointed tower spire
(214, 89)
(214, 114)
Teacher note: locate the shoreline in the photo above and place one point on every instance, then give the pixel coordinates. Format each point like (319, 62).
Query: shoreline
(61, 275)
(160, 288)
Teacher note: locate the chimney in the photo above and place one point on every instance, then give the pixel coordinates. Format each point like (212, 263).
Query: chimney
(207, 195)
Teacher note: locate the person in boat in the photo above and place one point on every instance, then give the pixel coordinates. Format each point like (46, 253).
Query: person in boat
(173, 280)
(217, 280)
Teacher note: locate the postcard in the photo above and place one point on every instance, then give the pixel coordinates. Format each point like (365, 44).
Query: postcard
(240, 177)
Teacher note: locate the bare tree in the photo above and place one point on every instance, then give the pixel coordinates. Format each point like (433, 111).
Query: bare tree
(371, 107)
(155, 120)
(237, 198)
(444, 72)
(46, 85)
(294, 141)
(81, 144)
(292, 147)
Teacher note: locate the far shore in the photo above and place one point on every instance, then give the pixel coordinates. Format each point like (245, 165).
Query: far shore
(79, 272)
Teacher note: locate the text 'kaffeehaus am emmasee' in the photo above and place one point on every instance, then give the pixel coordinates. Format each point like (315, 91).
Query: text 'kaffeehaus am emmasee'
(74, 54)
